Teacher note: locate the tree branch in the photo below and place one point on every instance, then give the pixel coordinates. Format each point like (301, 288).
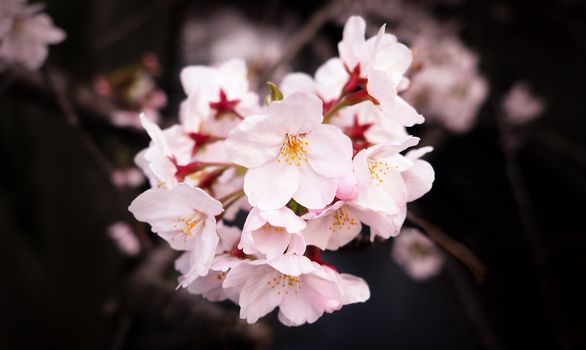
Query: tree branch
(455, 248)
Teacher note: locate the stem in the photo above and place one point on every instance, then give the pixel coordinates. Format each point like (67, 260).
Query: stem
(344, 102)
(238, 193)
(455, 248)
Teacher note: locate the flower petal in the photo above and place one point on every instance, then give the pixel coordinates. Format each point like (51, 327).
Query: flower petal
(300, 112)
(293, 265)
(271, 186)
(329, 151)
(294, 82)
(314, 191)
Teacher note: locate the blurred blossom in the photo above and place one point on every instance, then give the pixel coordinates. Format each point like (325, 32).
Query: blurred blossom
(131, 177)
(124, 237)
(132, 90)
(448, 88)
(521, 106)
(419, 256)
(25, 34)
(229, 35)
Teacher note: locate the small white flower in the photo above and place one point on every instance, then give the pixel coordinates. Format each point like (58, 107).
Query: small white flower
(449, 88)
(210, 285)
(419, 256)
(272, 232)
(387, 180)
(185, 217)
(217, 98)
(290, 154)
(521, 106)
(124, 237)
(303, 290)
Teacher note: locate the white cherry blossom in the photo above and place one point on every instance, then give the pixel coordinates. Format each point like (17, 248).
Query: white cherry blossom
(185, 217)
(379, 63)
(227, 256)
(417, 254)
(217, 98)
(289, 153)
(303, 290)
(272, 232)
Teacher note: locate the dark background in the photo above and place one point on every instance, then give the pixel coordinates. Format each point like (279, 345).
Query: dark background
(60, 272)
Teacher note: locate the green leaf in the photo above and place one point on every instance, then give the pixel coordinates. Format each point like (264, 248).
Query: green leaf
(276, 94)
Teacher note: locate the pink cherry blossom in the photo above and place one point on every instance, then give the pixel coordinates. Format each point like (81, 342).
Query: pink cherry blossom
(210, 285)
(169, 149)
(333, 227)
(185, 217)
(217, 97)
(380, 64)
(272, 232)
(520, 105)
(419, 256)
(303, 290)
(124, 237)
(290, 154)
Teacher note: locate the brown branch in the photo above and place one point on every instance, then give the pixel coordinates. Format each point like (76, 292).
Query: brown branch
(57, 88)
(195, 319)
(450, 245)
(472, 306)
(522, 200)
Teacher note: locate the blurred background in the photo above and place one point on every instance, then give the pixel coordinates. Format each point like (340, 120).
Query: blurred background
(501, 84)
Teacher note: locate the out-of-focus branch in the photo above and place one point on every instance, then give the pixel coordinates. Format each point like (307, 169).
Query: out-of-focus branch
(58, 89)
(82, 98)
(455, 248)
(306, 34)
(559, 144)
(197, 320)
(472, 305)
(522, 199)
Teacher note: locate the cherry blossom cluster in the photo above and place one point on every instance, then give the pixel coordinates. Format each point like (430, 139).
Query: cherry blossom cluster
(318, 162)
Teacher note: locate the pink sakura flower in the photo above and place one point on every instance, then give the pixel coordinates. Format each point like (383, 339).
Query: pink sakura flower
(185, 217)
(366, 124)
(385, 182)
(417, 254)
(124, 237)
(129, 177)
(303, 290)
(377, 66)
(328, 83)
(333, 227)
(520, 105)
(170, 151)
(25, 34)
(289, 153)
(227, 256)
(217, 98)
(449, 87)
(272, 232)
